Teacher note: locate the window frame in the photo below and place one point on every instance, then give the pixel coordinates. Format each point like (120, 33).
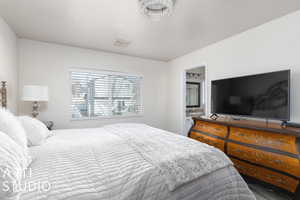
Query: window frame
(108, 72)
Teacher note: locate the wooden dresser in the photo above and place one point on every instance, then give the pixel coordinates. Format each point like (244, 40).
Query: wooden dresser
(261, 152)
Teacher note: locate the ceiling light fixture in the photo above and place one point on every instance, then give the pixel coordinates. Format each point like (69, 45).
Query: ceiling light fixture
(156, 9)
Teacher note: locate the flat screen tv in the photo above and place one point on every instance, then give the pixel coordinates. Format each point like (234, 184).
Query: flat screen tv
(259, 96)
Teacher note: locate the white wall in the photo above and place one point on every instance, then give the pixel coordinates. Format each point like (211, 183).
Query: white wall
(49, 64)
(270, 47)
(9, 63)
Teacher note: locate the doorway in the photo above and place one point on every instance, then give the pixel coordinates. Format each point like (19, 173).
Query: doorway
(195, 95)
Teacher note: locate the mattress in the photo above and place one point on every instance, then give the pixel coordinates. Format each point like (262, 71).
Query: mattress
(91, 164)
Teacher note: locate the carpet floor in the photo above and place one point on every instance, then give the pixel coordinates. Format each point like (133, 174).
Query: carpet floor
(262, 193)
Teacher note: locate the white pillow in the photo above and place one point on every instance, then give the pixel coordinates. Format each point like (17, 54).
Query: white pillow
(36, 131)
(10, 125)
(14, 160)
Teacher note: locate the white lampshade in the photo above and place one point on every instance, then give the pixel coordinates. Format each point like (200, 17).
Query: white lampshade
(35, 93)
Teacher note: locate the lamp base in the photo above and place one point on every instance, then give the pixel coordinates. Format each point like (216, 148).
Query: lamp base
(35, 108)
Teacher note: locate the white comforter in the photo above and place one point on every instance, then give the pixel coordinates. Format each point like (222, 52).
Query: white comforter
(115, 163)
(180, 160)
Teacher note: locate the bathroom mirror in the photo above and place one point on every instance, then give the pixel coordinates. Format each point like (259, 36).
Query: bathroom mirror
(193, 91)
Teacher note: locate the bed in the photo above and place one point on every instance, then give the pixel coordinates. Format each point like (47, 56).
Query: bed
(131, 162)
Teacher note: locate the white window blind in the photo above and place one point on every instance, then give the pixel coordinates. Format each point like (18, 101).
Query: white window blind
(105, 94)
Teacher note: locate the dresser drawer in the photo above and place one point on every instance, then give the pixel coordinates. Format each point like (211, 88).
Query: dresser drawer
(276, 161)
(268, 176)
(215, 129)
(218, 143)
(281, 142)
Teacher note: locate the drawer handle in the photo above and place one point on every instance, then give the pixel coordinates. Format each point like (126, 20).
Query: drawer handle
(281, 140)
(279, 162)
(210, 142)
(200, 137)
(280, 181)
(207, 141)
(271, 177)
(241, 134)
(238, 151)
(214, 143)
(240, 167)
(247, 170)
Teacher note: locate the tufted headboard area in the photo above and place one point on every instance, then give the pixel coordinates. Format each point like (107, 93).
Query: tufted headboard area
(3, 94)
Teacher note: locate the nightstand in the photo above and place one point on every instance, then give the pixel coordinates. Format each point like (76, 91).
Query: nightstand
(49, 125)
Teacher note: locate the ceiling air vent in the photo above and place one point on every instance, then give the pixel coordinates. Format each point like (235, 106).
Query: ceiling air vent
(122, 43)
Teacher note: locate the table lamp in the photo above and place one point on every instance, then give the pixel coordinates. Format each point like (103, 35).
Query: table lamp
(35, 94)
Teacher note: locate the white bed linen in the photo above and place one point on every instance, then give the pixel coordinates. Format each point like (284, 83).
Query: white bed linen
(93, 164)
(179, 159)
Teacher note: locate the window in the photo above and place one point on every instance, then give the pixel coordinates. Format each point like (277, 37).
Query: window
(105, 94)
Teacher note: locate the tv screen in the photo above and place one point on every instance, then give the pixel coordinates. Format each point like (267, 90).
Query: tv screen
(261, 96)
